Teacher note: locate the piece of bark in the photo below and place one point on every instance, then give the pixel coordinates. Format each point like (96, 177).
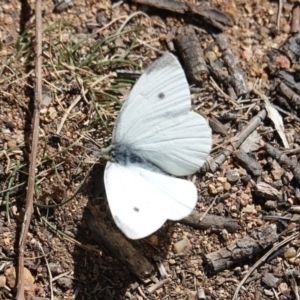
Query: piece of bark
(213, 164)
(270, 280)
(266, 191)
(284, 161)
(216, 71)
(211, 222)
(295, 27)
(292, 97)
(292, 47)
(248, 162)
(118, 246)
(160, 267)
(289, 79)
(191, 53)
(283, 102)
(209, 15)
(229, 116)
(242, 249)
(232, 64)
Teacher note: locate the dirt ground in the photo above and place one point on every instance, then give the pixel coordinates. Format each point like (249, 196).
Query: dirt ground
(86, 46)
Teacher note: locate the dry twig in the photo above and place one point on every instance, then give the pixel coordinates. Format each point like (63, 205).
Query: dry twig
(214, 163)
(34, 147)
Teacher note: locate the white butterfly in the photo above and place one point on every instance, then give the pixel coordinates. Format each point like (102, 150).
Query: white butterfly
(155, 136)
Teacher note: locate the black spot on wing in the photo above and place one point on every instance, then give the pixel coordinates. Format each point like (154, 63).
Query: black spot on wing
(136, 209)
(161, 96)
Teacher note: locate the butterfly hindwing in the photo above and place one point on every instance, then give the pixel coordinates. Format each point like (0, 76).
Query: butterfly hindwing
(141, 200)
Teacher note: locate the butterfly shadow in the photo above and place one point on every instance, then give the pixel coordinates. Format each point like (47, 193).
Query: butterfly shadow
(107, 264)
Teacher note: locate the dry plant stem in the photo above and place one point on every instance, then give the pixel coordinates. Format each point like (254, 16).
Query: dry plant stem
(216, 162)
(33, 154)
(259, 262)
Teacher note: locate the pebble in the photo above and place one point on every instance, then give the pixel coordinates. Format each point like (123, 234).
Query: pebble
(11, 144)
(212, 189)
(290, 252)
(222, 179)
(232, 176)
(154, 240)
(2, 281)
(227, 186)
(283, 287)
(184, 246)
(65, 283)
(249, 209)
(11, 278)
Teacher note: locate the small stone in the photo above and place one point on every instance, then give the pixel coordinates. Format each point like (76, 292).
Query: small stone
(11, 144)
(250, 209)
(233, 208)
(46, 100)
(245, 179)
(234, 189)
(2, 281)
(277, 173)
(65, 283)
(222, 179)
(268, 293)
(290, 252)
(154, 240)
(55, 268)
(212, 189)
(297, 261)
(220, 190)
(225, 235)
(184, 246)
(172, 261)
(271, 204)
(283, 287)
(227, 186)
(211, 56)
(52, 113)
(232, 176)
(11, 278)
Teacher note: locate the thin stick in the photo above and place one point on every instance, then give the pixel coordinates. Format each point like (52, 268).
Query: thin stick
(34, 147)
